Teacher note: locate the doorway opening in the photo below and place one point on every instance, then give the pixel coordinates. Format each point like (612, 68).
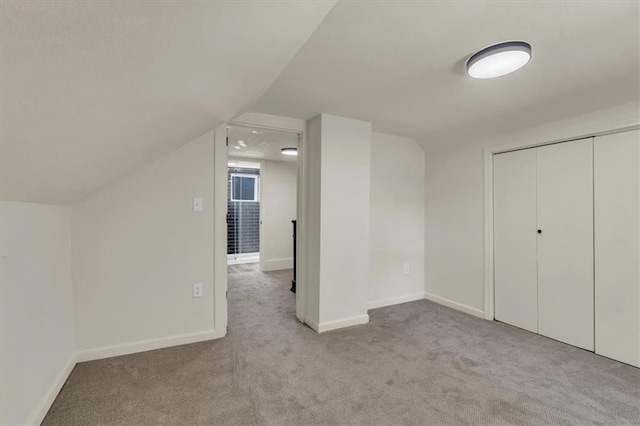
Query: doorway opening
(262, 205)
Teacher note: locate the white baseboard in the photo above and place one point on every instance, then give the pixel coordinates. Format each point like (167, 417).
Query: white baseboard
(43, 407)
(276, 264)
(334, 325)
(455, 305)
(312, 324)
(243, 258)
(147, 345)
(395, 300)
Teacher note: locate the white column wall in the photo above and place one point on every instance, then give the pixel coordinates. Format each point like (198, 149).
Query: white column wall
(340, 172)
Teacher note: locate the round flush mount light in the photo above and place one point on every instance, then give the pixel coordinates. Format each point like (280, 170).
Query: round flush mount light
(499, 59)
(289, 151)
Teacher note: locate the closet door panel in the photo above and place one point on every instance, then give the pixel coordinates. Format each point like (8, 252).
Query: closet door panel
(565, 246)
(516, 300)
(616, 159)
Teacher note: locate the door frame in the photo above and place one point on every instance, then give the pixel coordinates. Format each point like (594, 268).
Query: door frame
(593, 129)
(267, 122)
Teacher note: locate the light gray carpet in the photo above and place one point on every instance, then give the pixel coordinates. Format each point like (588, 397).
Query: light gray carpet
(243, 267)
(416, 363)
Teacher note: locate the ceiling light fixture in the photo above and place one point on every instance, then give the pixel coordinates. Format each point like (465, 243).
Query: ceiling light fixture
(499, 59)
(289, 151)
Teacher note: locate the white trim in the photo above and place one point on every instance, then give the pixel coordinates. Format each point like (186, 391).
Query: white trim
(276, 264)
(302, 219)
(146, 345)
(394, 300)
(282, 124)
(560, 137)
(46, 402)
(273, 122)
(455, 305)
(488, 235)
(220, 188)
(256, 192)
(334, 325)
(598, 123)
(592, 129)
(239, 259)
(314, 326)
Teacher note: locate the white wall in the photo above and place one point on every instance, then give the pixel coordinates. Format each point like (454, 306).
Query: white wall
(313, 160)
(138, 249)
(278, 198)
(37, 344)
(454, 204)
(344, 212)
(343, 200)
(454, 226)
(396, 221)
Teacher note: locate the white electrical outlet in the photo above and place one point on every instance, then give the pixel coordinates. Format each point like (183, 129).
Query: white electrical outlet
(197, 290)
(197, 204)
(407, 268)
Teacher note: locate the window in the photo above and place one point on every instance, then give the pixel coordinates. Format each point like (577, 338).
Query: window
(244, 187)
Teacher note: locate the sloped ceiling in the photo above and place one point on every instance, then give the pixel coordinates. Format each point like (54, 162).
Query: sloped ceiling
(92, 90)
(401, 66)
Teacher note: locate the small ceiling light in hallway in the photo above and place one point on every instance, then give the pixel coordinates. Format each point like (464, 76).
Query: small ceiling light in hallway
(499, 59)
(289, 151)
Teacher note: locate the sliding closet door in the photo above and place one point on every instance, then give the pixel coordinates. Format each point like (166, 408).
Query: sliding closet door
(616, 159)
(516, 299)
(565, 242)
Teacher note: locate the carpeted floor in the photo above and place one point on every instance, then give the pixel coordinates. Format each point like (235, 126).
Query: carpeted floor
(243, 267)
(416, 363)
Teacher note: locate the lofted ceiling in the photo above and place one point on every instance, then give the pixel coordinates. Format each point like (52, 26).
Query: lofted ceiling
(401, 66)
(91, 91)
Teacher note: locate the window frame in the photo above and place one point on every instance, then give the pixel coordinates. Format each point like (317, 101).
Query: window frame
(256, 193)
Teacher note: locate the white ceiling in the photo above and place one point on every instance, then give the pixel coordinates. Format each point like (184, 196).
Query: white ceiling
(263, 144)
(92, 90)
(400, 65)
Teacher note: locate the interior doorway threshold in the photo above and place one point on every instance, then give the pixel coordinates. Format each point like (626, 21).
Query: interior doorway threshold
(238, 259)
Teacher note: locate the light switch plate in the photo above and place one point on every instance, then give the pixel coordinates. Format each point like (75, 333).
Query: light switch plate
(197, 290)
(197, 204)
(407, 268)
